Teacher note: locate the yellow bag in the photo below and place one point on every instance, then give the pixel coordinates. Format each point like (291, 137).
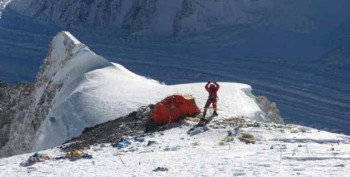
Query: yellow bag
(74, 153)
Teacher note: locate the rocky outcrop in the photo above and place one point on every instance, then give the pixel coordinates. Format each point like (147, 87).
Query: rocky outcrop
(134, 124)
(270, 109)
(12, 99)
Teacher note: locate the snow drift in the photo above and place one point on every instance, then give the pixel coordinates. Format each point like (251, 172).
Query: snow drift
(75, 89)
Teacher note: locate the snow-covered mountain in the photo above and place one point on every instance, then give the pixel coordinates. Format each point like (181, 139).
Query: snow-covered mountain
(75, 89)
(170, 16)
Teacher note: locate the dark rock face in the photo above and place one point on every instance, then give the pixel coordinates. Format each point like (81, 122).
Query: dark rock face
(139, 16)
(135, 124)
(188, 9)
(106, 11)
(12, 98)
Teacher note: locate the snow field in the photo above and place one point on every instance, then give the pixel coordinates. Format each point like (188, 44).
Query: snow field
(201, 155)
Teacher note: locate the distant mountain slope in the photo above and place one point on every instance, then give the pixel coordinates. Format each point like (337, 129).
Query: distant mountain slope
(169, 16)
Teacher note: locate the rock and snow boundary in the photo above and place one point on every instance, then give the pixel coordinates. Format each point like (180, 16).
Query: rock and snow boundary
(76, 88)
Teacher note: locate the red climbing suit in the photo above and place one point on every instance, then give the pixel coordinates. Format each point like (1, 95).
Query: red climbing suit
(212, 89)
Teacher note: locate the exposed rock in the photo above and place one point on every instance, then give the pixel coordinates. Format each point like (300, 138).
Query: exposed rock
(139, 16)
(12, 99)
(135, 124)
(270, 109)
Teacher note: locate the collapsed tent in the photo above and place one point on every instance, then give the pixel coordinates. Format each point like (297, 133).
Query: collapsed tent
(173, 107)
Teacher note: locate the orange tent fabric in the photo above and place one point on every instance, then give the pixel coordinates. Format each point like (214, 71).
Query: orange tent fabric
(172, 108)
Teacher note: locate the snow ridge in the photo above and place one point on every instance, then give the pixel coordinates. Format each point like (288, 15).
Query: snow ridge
(75, 89)
(56, 73)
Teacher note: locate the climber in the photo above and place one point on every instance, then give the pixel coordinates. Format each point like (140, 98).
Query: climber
(212, 89)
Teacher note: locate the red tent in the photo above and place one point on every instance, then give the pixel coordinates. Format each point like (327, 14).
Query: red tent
(173, 107)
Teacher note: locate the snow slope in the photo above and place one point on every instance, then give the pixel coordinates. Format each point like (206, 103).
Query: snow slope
(277, 152)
